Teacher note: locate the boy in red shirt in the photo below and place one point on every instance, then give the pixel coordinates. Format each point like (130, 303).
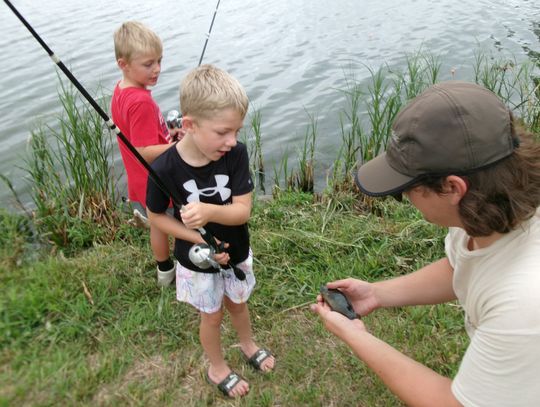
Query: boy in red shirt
(138, 53)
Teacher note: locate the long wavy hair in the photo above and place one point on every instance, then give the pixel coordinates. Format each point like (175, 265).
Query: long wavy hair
(502, 196)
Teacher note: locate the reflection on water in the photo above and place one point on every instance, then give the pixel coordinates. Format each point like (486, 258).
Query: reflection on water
(292, 56)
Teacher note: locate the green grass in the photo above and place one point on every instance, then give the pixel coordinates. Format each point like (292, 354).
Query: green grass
(93, 328)
(96, 330)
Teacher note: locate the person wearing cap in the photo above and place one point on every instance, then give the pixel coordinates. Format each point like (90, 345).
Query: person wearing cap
(457, 154)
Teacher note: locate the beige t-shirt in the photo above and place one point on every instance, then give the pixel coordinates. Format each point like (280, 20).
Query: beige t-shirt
(499, 289)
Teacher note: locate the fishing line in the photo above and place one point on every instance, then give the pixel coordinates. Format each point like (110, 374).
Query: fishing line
(174, 118)
(208, 34)
(207, 236)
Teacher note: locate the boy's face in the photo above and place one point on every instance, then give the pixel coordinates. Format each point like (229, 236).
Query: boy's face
(142, 70)
(216, 136)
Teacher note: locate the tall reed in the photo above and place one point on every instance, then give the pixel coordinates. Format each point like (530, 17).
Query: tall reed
(256, 156)
(73, 186)
(517, 84)
(303, 179)
(351, 135)
(281, 172)
(366, 123)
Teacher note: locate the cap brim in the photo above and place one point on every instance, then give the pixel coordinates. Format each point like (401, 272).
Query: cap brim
(377, 178)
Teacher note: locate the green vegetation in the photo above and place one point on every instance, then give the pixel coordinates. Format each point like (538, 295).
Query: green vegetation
(73, 185)
(82, 321)
(95, 329)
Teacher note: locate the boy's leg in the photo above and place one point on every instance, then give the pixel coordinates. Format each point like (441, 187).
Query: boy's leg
(159, 242)
(210, 336)
(166, 269)
(241, 321)
(205, 292)
(235, 300)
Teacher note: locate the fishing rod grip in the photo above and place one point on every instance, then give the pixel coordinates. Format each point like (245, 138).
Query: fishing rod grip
(211, 241)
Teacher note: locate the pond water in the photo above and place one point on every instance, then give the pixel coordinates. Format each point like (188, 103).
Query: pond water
(293, 57)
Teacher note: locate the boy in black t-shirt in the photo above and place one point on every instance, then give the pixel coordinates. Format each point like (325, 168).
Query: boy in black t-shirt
(209, 171)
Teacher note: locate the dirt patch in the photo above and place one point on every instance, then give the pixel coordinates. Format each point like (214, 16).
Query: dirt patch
(153, 369)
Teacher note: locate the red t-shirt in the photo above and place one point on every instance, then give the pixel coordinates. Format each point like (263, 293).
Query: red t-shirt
(138, 117)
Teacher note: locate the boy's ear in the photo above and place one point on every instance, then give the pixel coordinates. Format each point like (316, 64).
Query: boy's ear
(187, 122)
(122, 63)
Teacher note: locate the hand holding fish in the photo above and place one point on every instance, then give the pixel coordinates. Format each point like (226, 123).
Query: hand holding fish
(361, 294)
(335, 322)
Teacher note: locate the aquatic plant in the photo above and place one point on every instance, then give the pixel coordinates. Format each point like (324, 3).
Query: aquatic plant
(302, 179)
(69, 168)
(73, 186)
(517, 84)
(254, 145)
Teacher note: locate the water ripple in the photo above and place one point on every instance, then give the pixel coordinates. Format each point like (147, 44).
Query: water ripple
(292, 57)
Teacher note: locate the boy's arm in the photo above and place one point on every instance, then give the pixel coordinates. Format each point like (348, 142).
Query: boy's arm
(171, 226)
(150, 153)
(146, 134)
(197, 214)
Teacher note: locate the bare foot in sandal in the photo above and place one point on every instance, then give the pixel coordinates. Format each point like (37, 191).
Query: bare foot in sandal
(230, 383)
(260, 359)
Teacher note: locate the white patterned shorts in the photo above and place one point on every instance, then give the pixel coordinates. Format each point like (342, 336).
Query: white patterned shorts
(205, 291)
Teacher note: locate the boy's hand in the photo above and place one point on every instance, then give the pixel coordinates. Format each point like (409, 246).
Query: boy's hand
(176, 134)
(222, 258)
(194, 215)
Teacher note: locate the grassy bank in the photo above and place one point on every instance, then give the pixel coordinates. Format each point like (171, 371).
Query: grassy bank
(95, 329)
(82, 321)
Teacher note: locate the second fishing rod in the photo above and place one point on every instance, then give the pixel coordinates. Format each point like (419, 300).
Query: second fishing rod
(205, 234)
(174, 118)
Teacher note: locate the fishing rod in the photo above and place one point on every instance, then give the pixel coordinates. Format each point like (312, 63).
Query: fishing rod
(174, 118)
(208, 34)
(206, 235)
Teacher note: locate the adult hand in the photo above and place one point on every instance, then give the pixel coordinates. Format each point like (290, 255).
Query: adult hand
(338, 324)
(360, 293)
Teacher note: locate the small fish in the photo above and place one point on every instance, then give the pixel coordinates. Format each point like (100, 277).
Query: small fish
(338, 302)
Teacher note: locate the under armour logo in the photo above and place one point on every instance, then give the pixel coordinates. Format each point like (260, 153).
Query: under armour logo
(220, 188)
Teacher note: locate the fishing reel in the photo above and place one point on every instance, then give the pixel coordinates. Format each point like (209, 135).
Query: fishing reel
(174, 119)
(202, 256)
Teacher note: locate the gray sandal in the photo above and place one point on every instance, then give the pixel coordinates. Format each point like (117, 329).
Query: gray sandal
(227, 384)
(258, 358)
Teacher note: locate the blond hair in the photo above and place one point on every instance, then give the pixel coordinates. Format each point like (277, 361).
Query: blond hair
(208, 89)
(134, 38)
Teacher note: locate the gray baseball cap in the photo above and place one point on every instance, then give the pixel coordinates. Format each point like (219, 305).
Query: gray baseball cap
(451, 128)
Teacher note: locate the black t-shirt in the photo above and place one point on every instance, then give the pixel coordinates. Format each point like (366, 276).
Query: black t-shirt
(215, 183)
